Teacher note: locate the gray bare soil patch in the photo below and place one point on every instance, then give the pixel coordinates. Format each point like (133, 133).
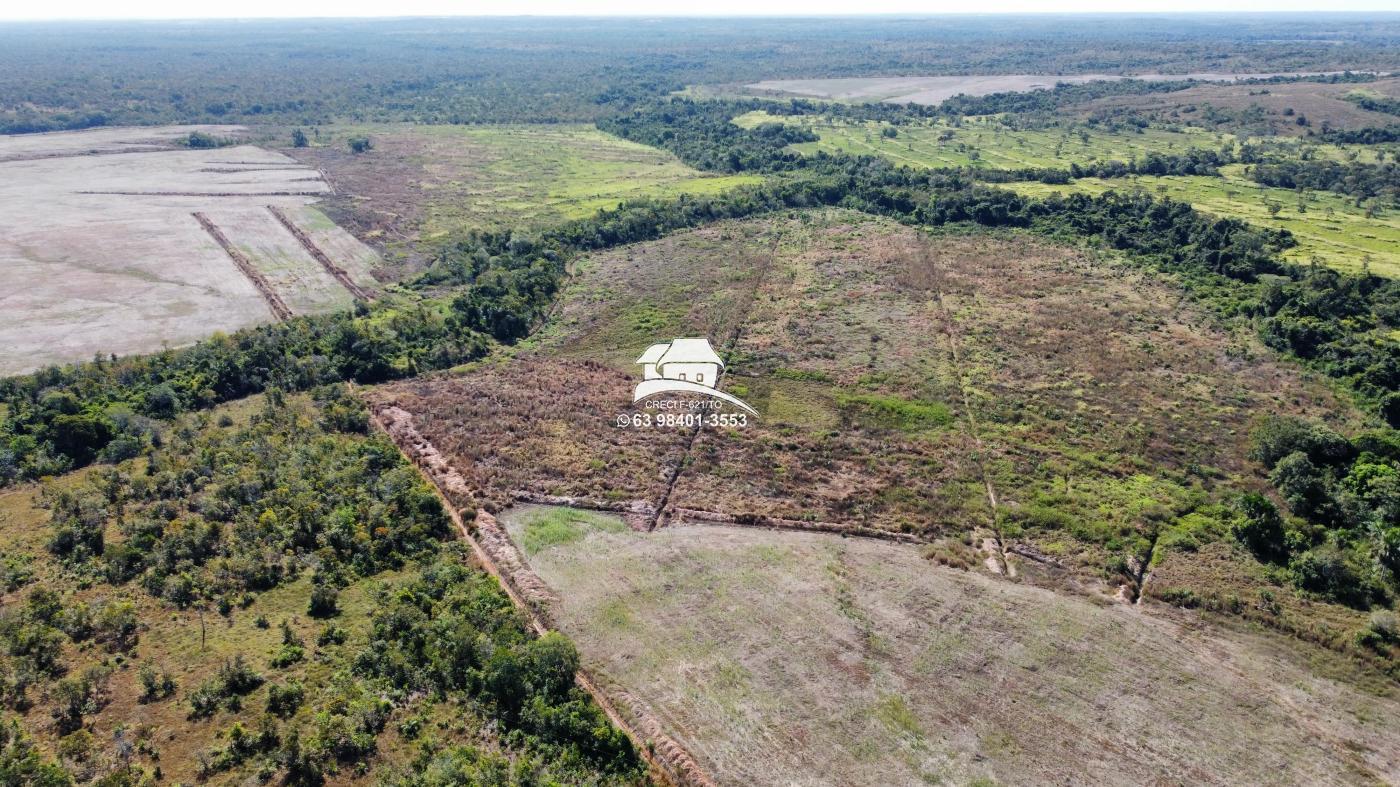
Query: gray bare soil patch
(794, 658)
(100, 250)
(935, 90)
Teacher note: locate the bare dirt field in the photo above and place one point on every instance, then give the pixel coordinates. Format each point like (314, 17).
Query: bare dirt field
(99, 141)
(935, 90)
(116, 241)
(794, 658)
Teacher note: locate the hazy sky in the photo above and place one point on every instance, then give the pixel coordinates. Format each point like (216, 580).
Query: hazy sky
(183, 9)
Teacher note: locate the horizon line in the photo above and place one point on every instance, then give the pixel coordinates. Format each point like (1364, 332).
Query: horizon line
(693, 15)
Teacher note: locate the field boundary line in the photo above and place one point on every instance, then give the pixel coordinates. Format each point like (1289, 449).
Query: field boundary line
(151, 148)
(665, 755)
(731, 342)
(260, 283)
(336, 272)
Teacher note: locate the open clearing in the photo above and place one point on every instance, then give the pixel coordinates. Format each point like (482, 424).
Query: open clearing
(421, 182)
(109, 250)
(986, 145)
(1024, 408)
(1262, 108)
(902, 382)
(935, 90)
(1327, 226)
(794, 658)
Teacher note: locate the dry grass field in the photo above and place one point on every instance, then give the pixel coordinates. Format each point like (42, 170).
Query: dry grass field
(935, 90)
(947, 387)
(101, 250)
(421, 182)
(794, 658)
(1319, 103)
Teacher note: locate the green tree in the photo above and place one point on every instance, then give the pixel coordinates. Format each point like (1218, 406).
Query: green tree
(1260, 528)
(22, 764)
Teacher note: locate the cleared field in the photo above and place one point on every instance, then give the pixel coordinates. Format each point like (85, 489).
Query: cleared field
(1327, 226)
(935, 90)
(792, 658)
(421, 182)
(1255, 108)
(987, 145)
(898, 377)
(1025, 408)
(543, 427)
(104, 140)
(114, 253)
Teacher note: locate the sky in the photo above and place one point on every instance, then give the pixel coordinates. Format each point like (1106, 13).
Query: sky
(183, 9)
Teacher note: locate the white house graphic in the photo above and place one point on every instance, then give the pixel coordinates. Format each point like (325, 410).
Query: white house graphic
(683, 366)
(690, 360)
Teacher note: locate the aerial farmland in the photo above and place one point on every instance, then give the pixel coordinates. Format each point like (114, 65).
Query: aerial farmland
(700, 402)
(125, 241)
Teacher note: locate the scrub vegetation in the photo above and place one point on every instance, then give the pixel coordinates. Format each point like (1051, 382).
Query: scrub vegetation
(269, 595)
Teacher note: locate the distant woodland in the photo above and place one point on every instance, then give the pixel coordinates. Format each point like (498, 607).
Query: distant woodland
(64, 76)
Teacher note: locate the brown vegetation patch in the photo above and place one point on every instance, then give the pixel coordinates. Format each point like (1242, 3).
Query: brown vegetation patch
(903, 383)
(538, 425)
(1255, 109)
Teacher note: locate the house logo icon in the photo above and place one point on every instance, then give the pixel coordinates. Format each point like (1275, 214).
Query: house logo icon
(683, 366)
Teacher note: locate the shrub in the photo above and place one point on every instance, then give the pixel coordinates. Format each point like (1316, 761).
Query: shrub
(1332, 573)
(233, 680)
(155, 685)
(1278, 436)
(1384, 625)
(331, 635)
(1260, 528)
(284, 700)
(324, 601)
(22, 763)
(1304, 486)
